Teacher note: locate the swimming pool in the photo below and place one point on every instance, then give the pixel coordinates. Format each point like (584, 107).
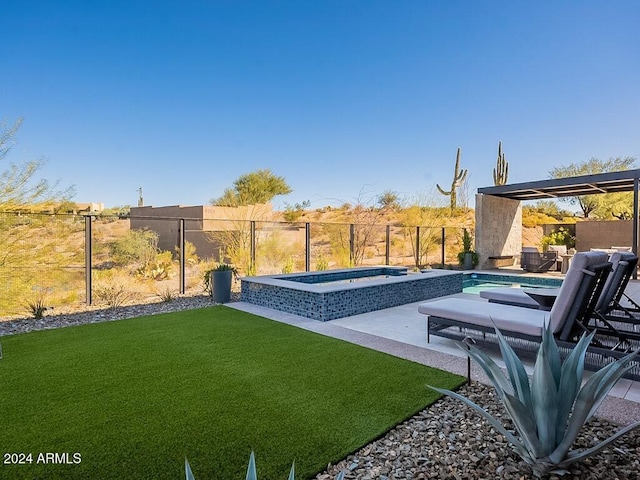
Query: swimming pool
(476, 282)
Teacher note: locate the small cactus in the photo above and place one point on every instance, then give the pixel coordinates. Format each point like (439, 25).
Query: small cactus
(459, 176)
(501, 172)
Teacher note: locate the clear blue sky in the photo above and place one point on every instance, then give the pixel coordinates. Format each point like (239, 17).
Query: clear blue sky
(183, 97)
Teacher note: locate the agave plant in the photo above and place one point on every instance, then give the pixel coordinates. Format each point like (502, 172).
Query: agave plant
(251, 470)
(549, 412)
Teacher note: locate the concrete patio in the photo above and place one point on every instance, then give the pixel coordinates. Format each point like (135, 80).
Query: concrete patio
(401, 331)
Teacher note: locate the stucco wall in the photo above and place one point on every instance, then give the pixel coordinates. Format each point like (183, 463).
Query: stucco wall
(601, 234)
(498, 228)
(200, 221)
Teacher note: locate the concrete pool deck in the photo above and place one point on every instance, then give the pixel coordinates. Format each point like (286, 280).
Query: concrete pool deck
(401, 331)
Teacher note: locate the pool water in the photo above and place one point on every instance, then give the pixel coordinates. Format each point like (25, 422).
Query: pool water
(476, 282)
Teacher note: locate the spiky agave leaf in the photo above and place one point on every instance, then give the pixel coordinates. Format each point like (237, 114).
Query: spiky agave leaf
(501, 383)
(251, 469)
(587, 402)
(544, 394)
(515, 368)
(187, 470)
(570, 383)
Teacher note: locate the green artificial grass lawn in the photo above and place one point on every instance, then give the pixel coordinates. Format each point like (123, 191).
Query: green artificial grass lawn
(135, 397)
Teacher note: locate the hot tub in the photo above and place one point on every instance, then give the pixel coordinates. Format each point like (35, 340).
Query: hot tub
(332, 294)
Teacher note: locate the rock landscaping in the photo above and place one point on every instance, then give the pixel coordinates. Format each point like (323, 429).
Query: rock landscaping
(448, 440)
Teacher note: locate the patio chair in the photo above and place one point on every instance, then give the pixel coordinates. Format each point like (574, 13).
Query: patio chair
(560, 251)
(623, 265)
(536, 262)
(459, 319)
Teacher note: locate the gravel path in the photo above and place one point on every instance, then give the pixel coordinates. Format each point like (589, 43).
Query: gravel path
(447, 440)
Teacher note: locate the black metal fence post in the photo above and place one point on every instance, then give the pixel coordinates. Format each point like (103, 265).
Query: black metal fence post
(387, 242)
(87, 259)
(183, 255)
(352, 241)
(443, 259)
(417, 247)
(307, 247)
(253, 247)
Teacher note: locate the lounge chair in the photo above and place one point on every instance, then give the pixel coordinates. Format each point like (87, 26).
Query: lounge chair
(623, 265)
(458, 318)
(534, 261)
(560, 251)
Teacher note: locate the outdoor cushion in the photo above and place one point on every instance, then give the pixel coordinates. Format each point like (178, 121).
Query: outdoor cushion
(506, 317)
(570, 286)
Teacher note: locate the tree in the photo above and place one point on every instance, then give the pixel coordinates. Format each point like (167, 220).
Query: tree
(18, 187)
(251, 188)
(389, 199)
(28, 242)
(592, 203)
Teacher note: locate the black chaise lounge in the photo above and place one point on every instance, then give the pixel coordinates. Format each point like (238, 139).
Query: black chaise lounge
(570, 316)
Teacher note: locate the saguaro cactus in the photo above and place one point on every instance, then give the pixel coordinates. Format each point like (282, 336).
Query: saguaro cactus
(458, 177)
(501, 172)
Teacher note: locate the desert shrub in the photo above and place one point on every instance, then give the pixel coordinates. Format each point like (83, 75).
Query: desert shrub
(137, 246)
(292, 213)
(159, 268)
(38, 304)
(166, 294)
(338, 235)
(113, 288)
(289, 265)
(321, 263)
(560, 237)
(190, 255)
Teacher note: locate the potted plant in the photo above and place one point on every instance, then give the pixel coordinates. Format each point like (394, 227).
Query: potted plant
(467, 258)
(218, 280)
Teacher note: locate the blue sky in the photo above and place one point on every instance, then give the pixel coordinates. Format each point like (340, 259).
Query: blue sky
(181, 98)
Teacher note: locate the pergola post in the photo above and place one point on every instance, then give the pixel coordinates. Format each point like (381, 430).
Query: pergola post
(634, 242)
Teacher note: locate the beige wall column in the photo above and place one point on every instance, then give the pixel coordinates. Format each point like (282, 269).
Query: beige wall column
(498, 227)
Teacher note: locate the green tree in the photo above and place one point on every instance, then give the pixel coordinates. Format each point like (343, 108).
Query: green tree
(389, 199)
(594, 204)
(292, 213)
(255, 187)
(18, 186)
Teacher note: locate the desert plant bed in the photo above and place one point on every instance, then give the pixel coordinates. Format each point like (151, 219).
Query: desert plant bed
(133, 398)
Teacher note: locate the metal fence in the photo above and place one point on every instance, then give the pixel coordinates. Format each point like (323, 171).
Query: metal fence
(59, 260)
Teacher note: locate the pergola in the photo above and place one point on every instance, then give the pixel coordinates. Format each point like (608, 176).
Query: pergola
(612, 182)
